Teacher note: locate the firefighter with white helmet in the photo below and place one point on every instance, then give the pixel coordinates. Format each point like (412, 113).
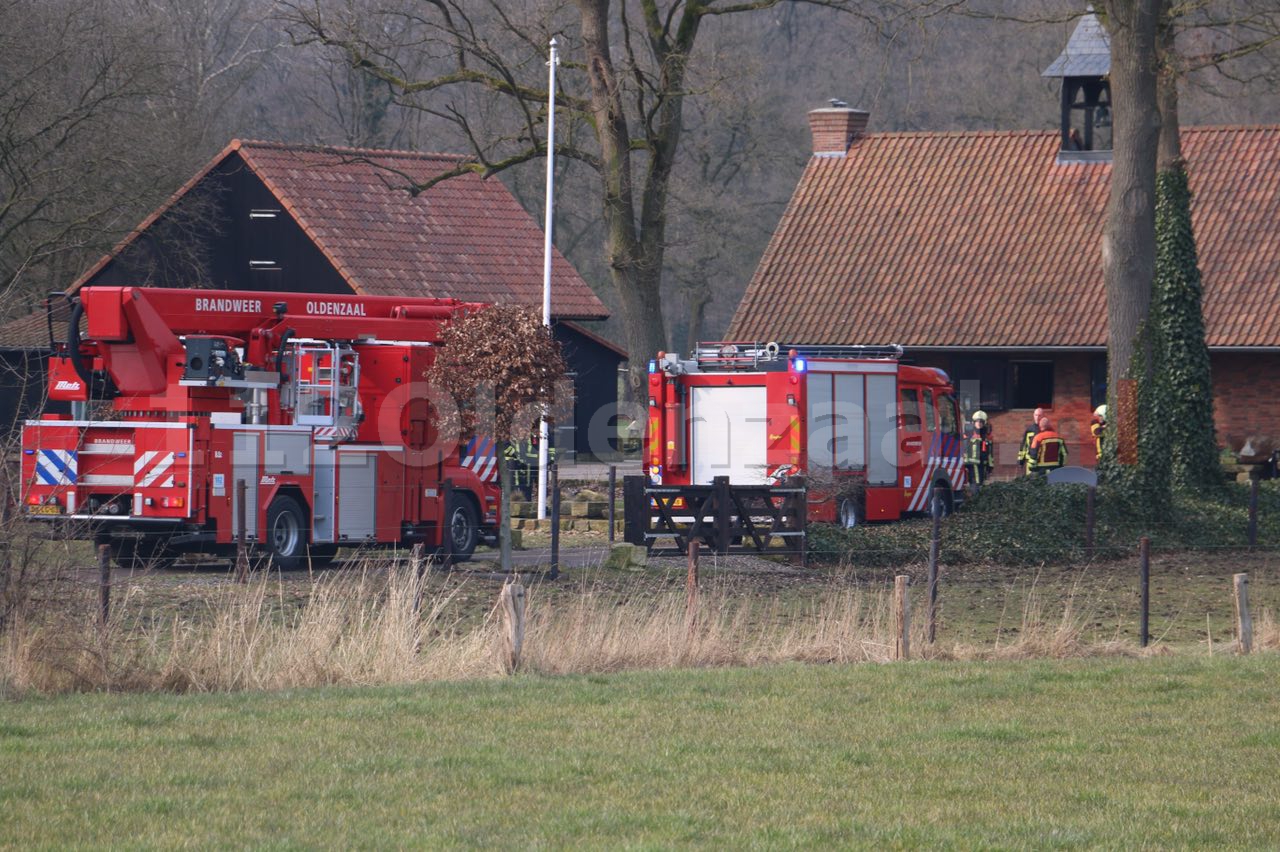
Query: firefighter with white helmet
(978, 449)
(1098, 425)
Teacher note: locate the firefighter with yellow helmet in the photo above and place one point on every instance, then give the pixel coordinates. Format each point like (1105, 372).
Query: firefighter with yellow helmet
(979, 450)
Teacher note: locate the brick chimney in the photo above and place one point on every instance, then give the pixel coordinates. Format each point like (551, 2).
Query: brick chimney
(834, 128)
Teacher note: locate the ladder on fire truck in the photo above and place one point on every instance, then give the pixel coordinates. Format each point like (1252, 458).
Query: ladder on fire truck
(722, 355)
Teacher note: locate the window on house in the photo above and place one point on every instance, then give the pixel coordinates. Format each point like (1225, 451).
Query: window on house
(980, 382)
(1098, 381)
(1032, 384)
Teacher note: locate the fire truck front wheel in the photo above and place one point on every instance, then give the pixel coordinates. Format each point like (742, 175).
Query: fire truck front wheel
(286, 538)
(463, 529)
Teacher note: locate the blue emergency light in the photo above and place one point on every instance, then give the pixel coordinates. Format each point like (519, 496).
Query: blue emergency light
(800, 365)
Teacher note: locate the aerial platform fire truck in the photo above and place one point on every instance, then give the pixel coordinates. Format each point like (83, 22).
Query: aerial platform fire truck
(876, 439)
(316, 403)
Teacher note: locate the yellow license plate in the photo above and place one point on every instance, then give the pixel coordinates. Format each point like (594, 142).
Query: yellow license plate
(46, 509)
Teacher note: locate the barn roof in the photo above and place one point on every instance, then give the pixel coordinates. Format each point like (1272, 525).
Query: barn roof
(466, 237)
(984, 240)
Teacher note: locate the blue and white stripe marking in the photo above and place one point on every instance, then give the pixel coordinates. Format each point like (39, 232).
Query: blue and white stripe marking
(481, 457)
(57, 467)
(946, 452)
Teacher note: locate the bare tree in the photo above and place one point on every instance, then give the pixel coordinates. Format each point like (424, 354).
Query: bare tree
(623, 91)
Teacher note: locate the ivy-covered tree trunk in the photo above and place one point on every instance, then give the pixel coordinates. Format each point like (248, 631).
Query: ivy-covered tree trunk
(1136, 454)
(1177, 295)
(1176, 304)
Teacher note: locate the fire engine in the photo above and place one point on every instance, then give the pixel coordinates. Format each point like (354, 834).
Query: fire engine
(316, 403)
(875, 438)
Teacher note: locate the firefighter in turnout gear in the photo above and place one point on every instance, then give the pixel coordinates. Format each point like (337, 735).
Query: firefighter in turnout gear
(1028, 434)
(522, 461)
(978, 449)
(1048, 450)
(1098, 425)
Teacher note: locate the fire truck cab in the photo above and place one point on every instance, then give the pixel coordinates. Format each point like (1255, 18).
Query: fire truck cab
(875, 439)
(298, 419)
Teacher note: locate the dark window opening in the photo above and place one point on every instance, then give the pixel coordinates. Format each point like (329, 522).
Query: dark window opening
(1032, 384)
(980, 383)
(1098, 381)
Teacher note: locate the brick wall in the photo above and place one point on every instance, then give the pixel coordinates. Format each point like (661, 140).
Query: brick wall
(1246, 392)
(1247, 402)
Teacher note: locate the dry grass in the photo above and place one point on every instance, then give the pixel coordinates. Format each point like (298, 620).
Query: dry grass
(375, 624)
(1266, 632)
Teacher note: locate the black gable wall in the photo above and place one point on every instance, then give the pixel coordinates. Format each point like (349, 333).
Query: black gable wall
(229, 232)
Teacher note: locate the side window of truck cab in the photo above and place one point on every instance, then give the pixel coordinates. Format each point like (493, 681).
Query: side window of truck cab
(930, 422)
(909, 410)
(948, 414)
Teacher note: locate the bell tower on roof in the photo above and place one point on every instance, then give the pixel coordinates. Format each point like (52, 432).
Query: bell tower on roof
(1085, 67)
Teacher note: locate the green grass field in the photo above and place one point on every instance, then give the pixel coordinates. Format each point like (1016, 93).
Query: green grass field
(1163, 752)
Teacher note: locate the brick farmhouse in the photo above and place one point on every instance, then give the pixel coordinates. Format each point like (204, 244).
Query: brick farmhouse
(980, 253)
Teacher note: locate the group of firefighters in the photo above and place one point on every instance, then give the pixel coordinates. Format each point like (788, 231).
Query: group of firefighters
(1042, 449)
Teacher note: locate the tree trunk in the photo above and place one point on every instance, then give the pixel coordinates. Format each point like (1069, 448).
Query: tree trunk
(1169, 155)
(635, 277)
(1128, 250)
(699, 298)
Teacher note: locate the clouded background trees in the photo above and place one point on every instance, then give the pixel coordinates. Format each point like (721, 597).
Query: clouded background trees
(108, 106)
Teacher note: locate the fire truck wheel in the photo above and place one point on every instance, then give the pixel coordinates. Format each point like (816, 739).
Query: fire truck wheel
(286, 533)
(464, 530)
(850, 514)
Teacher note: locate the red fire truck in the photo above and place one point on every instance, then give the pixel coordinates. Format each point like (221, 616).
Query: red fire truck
(876, 439)
(317, 403)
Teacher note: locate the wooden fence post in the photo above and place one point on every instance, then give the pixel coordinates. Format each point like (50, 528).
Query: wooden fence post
(691, 585)
(1253, 512)
(511, 599)
(613, 493)
(418, 564)
(1144, 590)
(901, 618)
(104, 584)
(242, 545)
(1090, 520)
(1244, 622)
(555, 521)
(935, 546)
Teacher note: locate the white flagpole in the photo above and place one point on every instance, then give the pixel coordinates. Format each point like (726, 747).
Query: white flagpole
(544, 430)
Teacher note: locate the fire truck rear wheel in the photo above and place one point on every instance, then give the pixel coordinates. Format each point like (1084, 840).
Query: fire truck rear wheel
(286, 538)
(850, 513)
(463, 528)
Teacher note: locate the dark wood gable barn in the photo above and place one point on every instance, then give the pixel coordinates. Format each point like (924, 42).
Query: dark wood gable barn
(980, 252)
(267, 216)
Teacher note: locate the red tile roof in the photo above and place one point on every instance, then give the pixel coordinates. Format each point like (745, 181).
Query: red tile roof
(466, 238)
(982, 240)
